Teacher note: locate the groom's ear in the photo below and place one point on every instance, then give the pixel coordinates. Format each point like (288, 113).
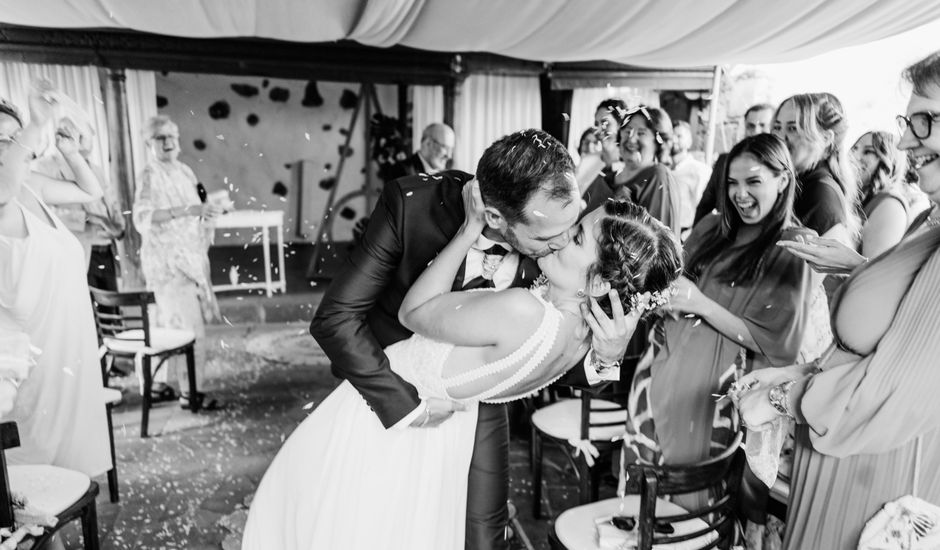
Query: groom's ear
(494, 219)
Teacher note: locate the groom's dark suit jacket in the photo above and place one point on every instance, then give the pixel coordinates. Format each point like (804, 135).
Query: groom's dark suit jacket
(358, 316)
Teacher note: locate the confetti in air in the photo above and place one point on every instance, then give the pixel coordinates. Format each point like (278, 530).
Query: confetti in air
(307, 135)
(409, 193)
(538, 214)
(308, 406)
(220, 137)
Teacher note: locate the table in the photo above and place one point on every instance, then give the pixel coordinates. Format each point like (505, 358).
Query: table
(265, 219)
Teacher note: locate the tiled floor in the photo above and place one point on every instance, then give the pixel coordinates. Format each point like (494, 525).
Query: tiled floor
(186, 486)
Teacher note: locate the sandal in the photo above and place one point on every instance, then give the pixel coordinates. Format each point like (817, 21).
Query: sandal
(205, 402)
(161, 393)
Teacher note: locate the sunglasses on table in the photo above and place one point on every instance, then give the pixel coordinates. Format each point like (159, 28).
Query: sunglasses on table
(920, 123)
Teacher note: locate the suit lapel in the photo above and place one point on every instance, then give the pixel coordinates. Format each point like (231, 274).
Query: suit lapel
(526, 273)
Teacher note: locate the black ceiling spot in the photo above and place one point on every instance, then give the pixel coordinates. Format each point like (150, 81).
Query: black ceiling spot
(199, 144)
(161, 102)
(343, 132)
(279, 94)
(219, 109)
(252, 119)
(347, 213)
(344, 151)
(288, 165)
(348, 100)
(279, 189)
(312, 97)
(245, 90)
(327, 166)
(165, 73)
(264, 83)
(327, 183)
(327, 127)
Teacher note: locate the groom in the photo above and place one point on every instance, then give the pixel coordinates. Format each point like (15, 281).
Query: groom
(532, 201)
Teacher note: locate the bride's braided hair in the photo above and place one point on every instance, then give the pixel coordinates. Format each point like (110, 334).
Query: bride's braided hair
(636, 253)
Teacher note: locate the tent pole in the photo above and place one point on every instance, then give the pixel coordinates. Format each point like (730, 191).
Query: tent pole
(713, 117)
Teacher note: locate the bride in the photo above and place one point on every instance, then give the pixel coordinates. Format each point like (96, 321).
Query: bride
(344, 481)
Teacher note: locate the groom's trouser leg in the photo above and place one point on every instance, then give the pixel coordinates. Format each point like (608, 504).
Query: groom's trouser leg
(488, 489)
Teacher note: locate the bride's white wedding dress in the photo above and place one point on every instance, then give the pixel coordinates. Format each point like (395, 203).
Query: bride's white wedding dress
(343, 481)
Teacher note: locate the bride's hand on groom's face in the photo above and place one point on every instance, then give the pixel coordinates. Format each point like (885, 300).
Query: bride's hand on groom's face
(473, 206)
(609, 335)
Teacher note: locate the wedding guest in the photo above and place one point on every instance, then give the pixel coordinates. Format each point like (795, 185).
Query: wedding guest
(691, 174)
(814, 127)
(436, 151)
(173, 224)
(867, 415)
(645, 138)
(595, 174)
(885, 199)
(740, 294)
(589, 144)
(757, 120)
(60, 408)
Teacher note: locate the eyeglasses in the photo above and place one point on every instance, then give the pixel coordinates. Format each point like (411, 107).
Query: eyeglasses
(445, 148)
(165, 138)
(920, 123)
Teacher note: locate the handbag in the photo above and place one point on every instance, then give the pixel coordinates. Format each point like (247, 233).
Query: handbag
(907, 523)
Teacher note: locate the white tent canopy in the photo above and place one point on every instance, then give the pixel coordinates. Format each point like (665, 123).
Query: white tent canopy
(671, 33)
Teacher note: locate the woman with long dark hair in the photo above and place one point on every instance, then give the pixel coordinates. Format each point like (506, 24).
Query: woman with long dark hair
(740, 295)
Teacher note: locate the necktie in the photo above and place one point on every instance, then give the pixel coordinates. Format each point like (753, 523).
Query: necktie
(492, 257)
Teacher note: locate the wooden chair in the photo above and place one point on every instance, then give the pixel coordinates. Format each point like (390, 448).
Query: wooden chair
(598, 416)
(112, 397)
(128, 334)
(658, 521)
(66, 494)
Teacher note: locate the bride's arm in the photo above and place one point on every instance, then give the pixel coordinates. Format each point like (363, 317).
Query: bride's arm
(438, 277)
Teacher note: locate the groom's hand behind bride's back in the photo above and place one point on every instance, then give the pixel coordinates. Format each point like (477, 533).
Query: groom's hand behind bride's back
(435, 412)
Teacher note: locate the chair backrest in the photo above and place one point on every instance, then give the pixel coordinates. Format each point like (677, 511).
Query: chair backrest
(719, 476)
(10, 437)
(116, 312)
(597, 416)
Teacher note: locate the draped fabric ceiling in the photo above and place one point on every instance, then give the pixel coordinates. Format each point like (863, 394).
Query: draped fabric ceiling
(656, 33)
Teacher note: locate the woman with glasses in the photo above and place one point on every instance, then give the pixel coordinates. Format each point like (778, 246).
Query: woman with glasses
(174, 249)
(867, 414)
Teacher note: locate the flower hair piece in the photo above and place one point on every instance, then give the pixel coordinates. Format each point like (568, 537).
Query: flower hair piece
(648, 301)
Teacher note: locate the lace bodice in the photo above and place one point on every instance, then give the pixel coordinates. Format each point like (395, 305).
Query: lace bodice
(420, 361)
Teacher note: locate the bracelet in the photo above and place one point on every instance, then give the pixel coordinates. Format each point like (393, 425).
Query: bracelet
(427, 415)
(779, 397)
(602, 366)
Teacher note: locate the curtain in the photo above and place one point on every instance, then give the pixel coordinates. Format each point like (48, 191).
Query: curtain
(141, 89)
(584, 103)
(427, 107)
(652, 33)
(489, 107)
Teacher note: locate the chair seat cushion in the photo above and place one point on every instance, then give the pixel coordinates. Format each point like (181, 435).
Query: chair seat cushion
(562, 420)
(112, 396)
(577, 528)
(129, 342)
(49, 489)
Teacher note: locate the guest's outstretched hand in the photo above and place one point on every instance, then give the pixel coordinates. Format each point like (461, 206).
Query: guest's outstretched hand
(824, 255)
(687, 298)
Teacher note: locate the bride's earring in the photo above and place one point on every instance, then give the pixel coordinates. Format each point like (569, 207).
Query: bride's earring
(581, 293)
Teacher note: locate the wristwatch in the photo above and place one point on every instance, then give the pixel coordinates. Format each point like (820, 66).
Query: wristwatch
(602, 366)
(779, 396)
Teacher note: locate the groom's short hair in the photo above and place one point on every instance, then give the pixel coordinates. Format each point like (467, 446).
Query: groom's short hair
(516, 166)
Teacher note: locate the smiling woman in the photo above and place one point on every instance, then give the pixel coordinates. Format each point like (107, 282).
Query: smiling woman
(739, 294)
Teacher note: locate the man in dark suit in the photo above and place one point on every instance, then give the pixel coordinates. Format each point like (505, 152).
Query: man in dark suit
(527, 183)
(434, 154)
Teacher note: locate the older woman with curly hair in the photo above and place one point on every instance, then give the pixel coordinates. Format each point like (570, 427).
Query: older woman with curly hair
(174, 252)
